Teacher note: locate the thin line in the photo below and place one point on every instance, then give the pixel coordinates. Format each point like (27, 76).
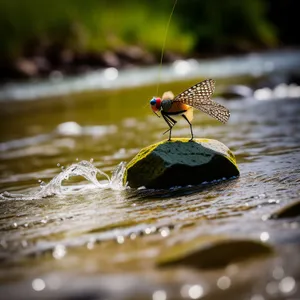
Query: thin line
(163, 47)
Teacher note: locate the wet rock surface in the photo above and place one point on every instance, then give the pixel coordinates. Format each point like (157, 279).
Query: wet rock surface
(213, 252)
(181, 162)
(288, 211)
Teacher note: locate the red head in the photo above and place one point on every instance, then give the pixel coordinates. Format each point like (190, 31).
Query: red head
(155, 104)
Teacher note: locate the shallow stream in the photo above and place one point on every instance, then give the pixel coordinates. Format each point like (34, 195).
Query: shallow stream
(69, 227)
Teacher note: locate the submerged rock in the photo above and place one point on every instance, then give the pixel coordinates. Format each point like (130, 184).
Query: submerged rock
(288, 211)
(211, 252)
(181, 162)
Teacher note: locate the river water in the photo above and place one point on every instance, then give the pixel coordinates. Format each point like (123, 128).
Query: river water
(70, 228)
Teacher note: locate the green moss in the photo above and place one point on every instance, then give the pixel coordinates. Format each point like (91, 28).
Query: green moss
(145, 151)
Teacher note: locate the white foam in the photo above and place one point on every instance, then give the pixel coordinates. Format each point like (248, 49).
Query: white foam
(85, 169)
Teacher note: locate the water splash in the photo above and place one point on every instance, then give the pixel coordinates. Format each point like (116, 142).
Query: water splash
(85, 169)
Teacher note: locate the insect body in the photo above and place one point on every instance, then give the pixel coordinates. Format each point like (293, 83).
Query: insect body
(198, 96)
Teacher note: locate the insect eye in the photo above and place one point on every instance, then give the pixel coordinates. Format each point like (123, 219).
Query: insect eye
(153, 101)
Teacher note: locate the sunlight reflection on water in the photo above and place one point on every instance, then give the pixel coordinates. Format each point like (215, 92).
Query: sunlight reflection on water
(97, 226)
(254, 64)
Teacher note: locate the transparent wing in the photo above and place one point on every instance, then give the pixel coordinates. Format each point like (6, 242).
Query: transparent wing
(198, 93)
(199, 96)
(215, 110)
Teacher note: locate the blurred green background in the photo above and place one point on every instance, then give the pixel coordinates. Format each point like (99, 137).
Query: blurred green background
(66, 33)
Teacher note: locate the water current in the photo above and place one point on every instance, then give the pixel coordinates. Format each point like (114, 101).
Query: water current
(69, 227)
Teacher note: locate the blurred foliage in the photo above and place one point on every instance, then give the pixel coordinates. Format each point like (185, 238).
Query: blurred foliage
(88, 25)
(227, 25)
(97, 25)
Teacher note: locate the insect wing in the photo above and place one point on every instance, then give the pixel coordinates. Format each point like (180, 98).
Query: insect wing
(215, 110)
(199, 96)
(200, 93)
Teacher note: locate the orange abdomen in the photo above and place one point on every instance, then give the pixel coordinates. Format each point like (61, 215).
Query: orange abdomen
(178, 107)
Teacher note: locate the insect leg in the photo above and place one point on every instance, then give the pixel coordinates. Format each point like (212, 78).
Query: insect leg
(171, 119)
(170, 123)
(190, 126)
(173, 122)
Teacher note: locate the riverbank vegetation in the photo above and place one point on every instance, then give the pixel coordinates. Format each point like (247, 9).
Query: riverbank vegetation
(38, 37)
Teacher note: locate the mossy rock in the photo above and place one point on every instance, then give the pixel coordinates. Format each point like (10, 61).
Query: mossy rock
(288, 211)
(213, 252)
(181, 162)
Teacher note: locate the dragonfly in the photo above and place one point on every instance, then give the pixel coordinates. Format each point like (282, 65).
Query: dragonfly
(197, 96)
